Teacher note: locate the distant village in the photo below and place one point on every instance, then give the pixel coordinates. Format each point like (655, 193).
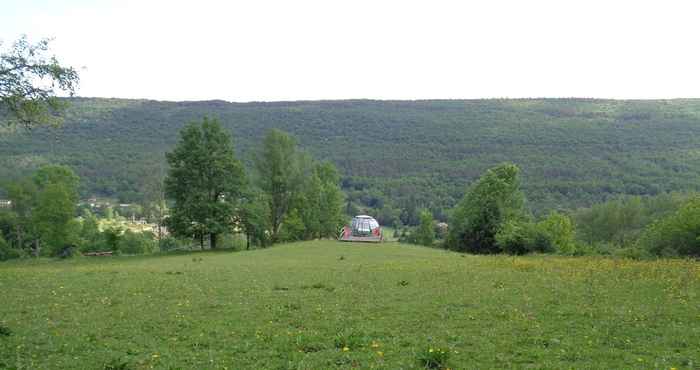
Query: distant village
(124, 215)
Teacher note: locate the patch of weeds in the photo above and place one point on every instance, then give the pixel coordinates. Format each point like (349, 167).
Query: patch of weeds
(342, 361)
(311, 347)
(5, 331)
(323, 286)
(545, 343)
(498, 285)
(292, 306)
(348, 341)
(402, 283)
(117, 364)
(341, 258)
(195, 259)
(434, 358)
(279, 288)
(174, 272)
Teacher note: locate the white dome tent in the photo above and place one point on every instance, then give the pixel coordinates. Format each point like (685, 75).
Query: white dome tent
(363, 228)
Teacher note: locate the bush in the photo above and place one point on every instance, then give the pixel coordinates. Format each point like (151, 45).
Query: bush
(232, 241)
(632, 252)
(675, 235)
(170, 243)
(136, 243)
(523, 237)
(559, 230)
(621, 221)
(425, 232)
(7, 252)
(112, 238)
(488, 205)
(292, 228)
(585, 249)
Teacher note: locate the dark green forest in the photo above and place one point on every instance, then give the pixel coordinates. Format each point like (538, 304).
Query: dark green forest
(395, 157)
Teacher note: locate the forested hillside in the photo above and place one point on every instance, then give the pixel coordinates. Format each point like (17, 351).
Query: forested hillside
(399, 155)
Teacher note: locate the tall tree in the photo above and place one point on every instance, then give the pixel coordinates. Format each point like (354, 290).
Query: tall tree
(255, 217)
(53, 215)
(29, 82)
(23, 197)
(494, 199)
(58, 174)
(154, 199)
(279, 175)
(425, 232)
(312, 206)
(332, 200)
(205, 181)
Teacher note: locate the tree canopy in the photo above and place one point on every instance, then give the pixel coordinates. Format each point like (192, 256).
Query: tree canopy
(488, 204)
(29, 83)
(279, 175)
(396, 157)
(205, 181)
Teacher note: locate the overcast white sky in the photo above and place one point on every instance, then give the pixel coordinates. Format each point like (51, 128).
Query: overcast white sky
(299, 49)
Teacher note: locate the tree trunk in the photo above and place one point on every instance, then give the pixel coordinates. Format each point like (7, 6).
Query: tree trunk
(247, 241)
(160, 235)
(201, 241)
(212, 240)
(20, 240)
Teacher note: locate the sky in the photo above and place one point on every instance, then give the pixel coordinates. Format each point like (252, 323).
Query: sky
(266, 50)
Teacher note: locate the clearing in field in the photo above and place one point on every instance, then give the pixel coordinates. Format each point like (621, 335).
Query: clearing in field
(325, 304)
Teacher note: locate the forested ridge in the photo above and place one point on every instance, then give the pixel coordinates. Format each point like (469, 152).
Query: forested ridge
(401, 154)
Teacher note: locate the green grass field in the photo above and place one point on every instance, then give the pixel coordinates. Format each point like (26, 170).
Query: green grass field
(325, 304)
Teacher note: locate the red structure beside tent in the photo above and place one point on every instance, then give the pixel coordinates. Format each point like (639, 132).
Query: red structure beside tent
(363, 228)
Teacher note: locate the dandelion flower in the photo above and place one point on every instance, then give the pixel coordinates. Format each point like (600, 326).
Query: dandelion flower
(345, 349)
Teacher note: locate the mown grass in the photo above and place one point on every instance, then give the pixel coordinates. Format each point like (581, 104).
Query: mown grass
(324, 304)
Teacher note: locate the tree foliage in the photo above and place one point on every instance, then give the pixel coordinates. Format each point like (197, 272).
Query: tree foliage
(677, 234)
(279, 175)
(205, 182)
(29, 82)
(559, 230)
(425, 232)
(491, 202)
(255, 218)
(622, 220)
(396, 156)
(53, 217)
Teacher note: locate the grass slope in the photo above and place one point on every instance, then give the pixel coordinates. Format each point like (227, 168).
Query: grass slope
(318, 305)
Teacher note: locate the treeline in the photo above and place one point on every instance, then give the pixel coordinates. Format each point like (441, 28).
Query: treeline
(492, 217)
(205, 196)
(288, 195)
(42, 216)
(396, 157)
(45, 219)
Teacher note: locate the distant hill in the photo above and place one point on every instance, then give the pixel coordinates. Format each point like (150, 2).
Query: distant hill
(408, 153)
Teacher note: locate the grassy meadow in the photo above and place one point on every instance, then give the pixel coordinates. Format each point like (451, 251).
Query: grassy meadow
(325, 304)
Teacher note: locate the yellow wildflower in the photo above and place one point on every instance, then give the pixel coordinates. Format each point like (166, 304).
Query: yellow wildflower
(345, 349)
